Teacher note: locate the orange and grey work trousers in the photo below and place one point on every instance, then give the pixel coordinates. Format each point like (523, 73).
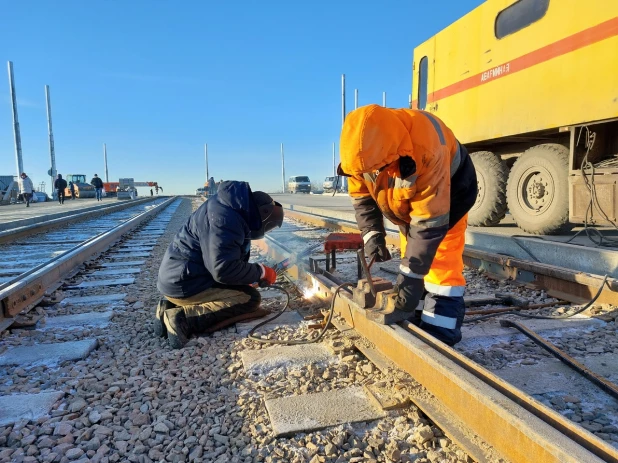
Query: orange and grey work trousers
(218, 304)
(444, 308)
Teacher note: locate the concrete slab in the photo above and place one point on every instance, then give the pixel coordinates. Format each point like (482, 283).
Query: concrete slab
(309, 412)
(128, 255)
(135, 249)
(125, 263)
(96, 283)
(114, 271)
(551, 375)
(482, 335)
(264, 360)
(17, 407)
(47, 354)
(286, 318)
(94, 300)
(133, 243)
(98, 319)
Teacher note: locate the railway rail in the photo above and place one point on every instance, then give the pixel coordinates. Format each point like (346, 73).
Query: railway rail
(468, 394)
(122, 395)
(33, 264)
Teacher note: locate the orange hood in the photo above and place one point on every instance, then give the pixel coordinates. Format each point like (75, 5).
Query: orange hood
(372, 137)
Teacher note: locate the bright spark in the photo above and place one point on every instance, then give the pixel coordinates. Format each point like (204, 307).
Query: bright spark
(309, 292)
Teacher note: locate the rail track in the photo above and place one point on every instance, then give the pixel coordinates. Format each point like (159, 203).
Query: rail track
(38, 256)
(91, 384)
(497, 384)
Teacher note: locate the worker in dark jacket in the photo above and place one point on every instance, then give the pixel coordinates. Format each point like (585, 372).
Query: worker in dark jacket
(407, 166)
(60, 184)
(205, 275)
(97, 183)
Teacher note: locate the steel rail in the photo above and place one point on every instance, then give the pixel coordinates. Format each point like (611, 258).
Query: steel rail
(559, 282)
(600, 381)
(28, 290)
(43, 223)
(515, 425)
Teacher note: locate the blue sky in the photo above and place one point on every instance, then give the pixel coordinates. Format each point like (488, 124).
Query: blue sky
(155, 80)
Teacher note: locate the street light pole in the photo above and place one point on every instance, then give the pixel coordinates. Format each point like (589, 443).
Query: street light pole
(50, 133)
(16, 135)
(105, 161)
(206, 160)
(282, 169)
(342, 99)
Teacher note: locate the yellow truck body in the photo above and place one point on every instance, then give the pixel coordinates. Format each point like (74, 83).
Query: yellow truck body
(512, 75)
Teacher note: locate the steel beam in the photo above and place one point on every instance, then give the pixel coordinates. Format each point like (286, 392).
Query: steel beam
(515, 425)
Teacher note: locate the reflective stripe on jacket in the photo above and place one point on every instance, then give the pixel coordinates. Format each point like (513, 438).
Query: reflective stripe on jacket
(400, 164)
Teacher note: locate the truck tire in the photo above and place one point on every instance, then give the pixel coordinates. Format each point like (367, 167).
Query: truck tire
(491, 176)
(538, 190)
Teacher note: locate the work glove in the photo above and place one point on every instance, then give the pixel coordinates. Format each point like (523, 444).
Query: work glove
(269, 276)
(409, 292)
(376, 246)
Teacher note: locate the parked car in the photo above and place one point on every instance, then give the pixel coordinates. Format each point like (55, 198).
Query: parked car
(299, 184)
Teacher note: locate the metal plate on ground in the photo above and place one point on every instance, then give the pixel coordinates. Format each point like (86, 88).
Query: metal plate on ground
(284, 356)
(309, 412)
(101, 299)
(47, 354)
(16, 407)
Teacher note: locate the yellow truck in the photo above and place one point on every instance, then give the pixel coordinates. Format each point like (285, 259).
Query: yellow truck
(531, 88)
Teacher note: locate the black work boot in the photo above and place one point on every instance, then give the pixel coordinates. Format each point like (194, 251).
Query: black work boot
(178, 331)
(159, 327)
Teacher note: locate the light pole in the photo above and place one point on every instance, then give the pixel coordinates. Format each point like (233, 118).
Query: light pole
(282, 169)
(16, 135)
(50, 133)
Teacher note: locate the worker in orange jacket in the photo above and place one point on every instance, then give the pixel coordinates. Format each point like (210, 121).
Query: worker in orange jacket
(407, 166)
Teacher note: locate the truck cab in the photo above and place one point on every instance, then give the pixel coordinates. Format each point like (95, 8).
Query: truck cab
(299, 184)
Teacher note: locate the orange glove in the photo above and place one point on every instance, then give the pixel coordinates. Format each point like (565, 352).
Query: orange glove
(269, 276)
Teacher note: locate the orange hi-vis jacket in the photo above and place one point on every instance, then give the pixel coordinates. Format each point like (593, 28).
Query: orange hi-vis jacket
(408, 166)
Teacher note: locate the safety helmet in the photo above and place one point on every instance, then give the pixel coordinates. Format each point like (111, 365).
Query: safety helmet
(23, 174)
(271, 213)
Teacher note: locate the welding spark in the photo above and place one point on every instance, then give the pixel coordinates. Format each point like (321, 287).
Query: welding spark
(308, 293)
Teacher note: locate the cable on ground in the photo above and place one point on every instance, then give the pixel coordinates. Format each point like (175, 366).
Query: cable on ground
(296, 342)
(543, 317)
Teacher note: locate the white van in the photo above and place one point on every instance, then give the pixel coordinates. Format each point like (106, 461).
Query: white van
(299, 184)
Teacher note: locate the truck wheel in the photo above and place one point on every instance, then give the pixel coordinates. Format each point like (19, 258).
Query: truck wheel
(491, 176)
(538, 190)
